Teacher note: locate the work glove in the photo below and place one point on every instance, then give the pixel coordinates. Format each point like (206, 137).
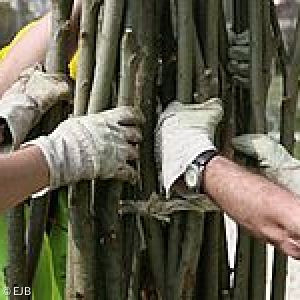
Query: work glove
(275, 162)
(183, 132)
(239, 56)
(23, 105)
(98, 145)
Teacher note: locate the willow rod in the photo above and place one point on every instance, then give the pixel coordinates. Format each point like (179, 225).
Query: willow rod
(81, 240)
(290, 71)
(56, 62)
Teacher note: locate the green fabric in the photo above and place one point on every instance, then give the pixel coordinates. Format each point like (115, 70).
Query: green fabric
(44, 286)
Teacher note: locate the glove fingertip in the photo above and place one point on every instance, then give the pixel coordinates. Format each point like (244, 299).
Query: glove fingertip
(127, 174)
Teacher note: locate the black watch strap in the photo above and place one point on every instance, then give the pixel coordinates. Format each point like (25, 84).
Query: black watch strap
(202, 161)
(205, 157)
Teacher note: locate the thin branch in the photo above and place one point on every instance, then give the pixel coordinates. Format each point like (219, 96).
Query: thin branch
(56, 62)
(295, 49)
(107, 54)
(278, 39)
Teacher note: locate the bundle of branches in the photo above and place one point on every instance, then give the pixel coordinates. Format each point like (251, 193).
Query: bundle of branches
(147, 53)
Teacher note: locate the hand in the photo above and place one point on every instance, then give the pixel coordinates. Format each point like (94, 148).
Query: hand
(239, 56)
(183, 132)
(98, 145)
(275, 162)
(34, 93)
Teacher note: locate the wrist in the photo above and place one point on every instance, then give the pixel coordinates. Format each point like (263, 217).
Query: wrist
(212, 167)
(195, 171)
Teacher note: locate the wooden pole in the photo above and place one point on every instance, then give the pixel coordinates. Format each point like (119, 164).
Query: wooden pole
(184, 24)
(289, 63)
(210, 259)
(81, 242)
(16, 270)
(147, 38)
(107, 55)
(106, 195)
(243, 257)
(22, 264)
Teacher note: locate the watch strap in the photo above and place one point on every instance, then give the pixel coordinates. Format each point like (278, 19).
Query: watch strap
(201, 161)
(205, 157)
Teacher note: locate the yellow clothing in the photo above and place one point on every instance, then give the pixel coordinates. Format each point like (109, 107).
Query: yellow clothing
(73, 65)
(5, 50)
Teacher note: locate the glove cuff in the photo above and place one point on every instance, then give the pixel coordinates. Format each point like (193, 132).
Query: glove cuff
(23, 105)
(65, 155)
(183, 152)
(20, 113)
(54, 159)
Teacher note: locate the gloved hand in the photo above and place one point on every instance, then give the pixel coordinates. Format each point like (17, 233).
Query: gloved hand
(23, 105)
(183, 132)
(239, 56)
(98, 145)
(275, 162)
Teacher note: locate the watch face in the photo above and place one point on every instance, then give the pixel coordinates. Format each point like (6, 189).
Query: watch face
(191, 176)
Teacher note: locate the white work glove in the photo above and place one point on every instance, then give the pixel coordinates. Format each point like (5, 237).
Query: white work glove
(98, 145)
(183, 132)
(23, 105)
(275, 162)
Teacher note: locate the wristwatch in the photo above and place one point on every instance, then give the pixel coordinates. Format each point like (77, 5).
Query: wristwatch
(193, 175)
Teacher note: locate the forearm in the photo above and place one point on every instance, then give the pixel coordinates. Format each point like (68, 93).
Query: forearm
(27, 51)
(267, 210)
(22, 173)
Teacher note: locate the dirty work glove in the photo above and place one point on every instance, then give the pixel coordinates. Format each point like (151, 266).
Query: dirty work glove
(23, 105)
(184, 131)
(98, 145)
(239, 56)
(275, 162)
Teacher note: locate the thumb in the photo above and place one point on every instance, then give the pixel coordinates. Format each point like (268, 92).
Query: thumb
(250, 144)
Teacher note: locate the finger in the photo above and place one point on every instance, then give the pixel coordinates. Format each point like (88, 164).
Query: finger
(244, 144)
(291, 247)
(127, 173)
(239, 68)
(256, 145)
(239, 53)
(132, 134)
(131, 117)
(133, 153)
(127, 152)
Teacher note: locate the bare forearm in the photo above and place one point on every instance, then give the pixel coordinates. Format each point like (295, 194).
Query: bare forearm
(266, 209)
(22, 173)
(30, 49)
